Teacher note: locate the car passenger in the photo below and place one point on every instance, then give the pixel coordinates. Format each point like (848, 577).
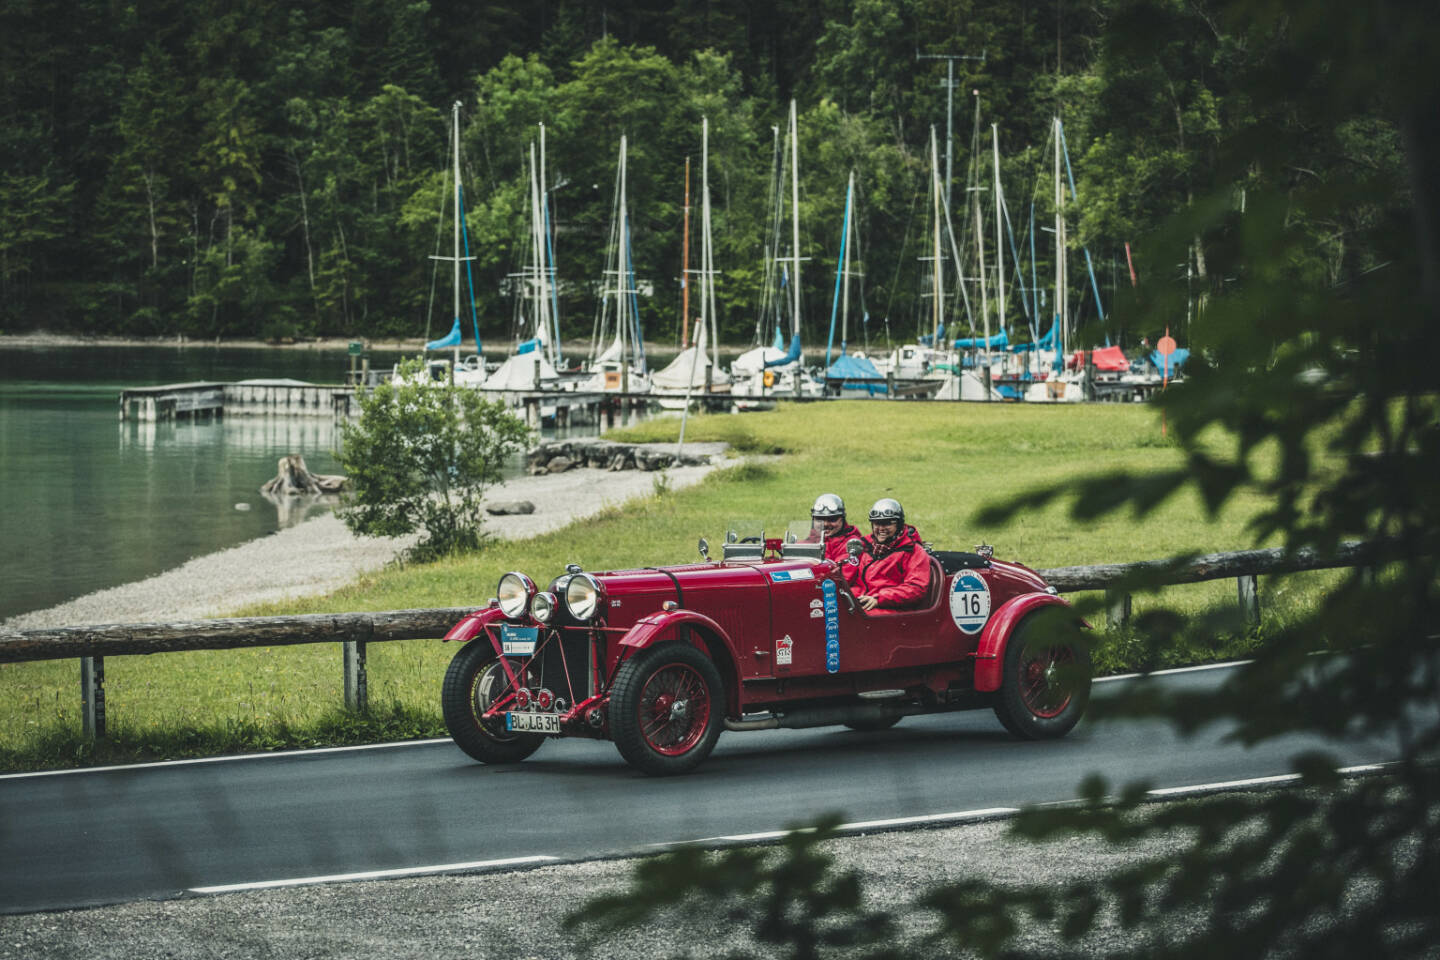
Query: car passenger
(894, 570)
(827, 517)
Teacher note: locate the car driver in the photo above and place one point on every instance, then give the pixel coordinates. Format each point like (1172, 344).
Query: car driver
(894, 570)
(827, 518)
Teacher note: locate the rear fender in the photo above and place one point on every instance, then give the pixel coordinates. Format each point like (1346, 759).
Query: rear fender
(990, 655)
(652, 629)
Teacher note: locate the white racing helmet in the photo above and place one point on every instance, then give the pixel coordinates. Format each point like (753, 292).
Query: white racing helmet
(887, 508)
(828, 505)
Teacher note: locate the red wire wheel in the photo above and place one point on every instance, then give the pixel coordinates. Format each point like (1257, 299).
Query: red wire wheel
(1041, 684)
(666, 708)
(674, 709)
(1045, 684)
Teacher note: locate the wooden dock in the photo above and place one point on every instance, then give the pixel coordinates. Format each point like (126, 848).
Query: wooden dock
(291, 398)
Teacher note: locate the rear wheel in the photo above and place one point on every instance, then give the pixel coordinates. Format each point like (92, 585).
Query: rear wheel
(666, 708)
(1046, 682)
(475, 682)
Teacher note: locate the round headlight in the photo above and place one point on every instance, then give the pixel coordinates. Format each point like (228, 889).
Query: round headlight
(542, 607)
(583, 595)
(514, 591)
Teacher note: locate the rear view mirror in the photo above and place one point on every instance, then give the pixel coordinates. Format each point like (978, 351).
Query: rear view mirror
(854, 548)
(704, 549)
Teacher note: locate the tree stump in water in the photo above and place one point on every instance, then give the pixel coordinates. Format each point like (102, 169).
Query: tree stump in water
(294, 480)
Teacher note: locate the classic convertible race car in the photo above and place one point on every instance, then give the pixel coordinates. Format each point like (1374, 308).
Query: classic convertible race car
(661, 659)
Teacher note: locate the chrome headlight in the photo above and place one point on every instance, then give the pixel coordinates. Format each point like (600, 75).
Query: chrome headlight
(542, 607)
(583, 596)
(515, 591)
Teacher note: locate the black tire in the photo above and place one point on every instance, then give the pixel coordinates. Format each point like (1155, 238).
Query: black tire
(474, 681)
(666, 708)
(873, 726)
(1046, 681)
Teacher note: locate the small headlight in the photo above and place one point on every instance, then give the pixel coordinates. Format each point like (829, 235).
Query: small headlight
(515, 591)
(542, 607)
(582, 596)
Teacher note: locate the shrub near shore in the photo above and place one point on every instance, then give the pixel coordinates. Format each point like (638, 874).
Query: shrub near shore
(943, 461)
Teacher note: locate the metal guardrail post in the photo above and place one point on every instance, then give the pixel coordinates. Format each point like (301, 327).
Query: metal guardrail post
(1249, 589)
(357, 695)
(92, 696)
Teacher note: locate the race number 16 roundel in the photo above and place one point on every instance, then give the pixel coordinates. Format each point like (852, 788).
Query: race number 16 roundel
(970, 601)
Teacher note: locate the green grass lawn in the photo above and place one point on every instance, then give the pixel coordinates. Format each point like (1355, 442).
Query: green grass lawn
(942, 461)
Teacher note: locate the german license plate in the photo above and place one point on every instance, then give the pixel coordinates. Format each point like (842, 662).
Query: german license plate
(532, 722)
(518, 641)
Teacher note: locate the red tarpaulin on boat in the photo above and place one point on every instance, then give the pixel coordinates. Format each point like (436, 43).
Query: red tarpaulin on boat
(1106, 358)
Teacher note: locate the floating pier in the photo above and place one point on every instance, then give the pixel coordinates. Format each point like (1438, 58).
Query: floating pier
(282, 398)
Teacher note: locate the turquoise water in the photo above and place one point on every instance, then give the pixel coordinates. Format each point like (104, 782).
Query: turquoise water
(88, 502)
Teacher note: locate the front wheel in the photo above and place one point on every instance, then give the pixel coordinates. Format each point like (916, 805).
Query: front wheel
(666, 708)
(475, 682)
(1046, 683)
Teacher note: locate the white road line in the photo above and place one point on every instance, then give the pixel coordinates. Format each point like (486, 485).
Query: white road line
(194, 761)
(1165, 673)
(1256, 781)
(860, 826)
(374, 874)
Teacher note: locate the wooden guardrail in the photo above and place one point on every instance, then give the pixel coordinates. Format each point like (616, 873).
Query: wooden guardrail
(91, 644)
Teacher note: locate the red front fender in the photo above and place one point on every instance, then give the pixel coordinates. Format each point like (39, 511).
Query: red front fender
(990, 655)
(650, 629)
(473, 624)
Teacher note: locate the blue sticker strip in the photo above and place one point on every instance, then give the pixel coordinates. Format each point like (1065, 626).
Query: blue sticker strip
(832, 627)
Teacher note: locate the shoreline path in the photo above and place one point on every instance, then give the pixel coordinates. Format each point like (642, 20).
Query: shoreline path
(320, 555)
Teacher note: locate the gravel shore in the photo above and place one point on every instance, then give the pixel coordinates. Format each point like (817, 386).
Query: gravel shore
(320, 554)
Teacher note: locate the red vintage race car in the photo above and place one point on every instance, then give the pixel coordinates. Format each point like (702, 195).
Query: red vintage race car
(661, 659)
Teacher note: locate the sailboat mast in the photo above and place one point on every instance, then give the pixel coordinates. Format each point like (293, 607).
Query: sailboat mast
(537, 234)
(707, 256)
(845, 265)
(622, 282)
(1060, 308)
(937, 275)
(685, 267)
(455, 126)
(795, 221)
(999, 240)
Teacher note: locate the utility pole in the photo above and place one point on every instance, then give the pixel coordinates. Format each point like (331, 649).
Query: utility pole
(950, 59)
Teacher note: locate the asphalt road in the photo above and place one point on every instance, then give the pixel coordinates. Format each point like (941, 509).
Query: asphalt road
(153, 832)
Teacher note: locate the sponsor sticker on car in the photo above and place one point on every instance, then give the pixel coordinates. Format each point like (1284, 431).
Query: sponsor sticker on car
(832, 626)
(784, 651)
(970, 602)
(518, 641)
(787, 576)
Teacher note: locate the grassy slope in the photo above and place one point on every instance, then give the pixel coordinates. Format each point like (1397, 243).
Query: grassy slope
(943, 461)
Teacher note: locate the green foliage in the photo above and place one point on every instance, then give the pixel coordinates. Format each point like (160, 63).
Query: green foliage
(791, 900)
(420, 458)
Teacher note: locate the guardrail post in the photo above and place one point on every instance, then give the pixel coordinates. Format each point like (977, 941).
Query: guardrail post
(1117, 606)
(92, 696)
(357, 697)
(1249, 588)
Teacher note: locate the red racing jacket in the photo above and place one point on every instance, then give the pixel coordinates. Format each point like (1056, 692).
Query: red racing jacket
(835, 547)
(897, 574)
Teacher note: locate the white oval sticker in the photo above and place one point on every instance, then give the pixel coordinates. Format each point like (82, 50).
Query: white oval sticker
(969, 601)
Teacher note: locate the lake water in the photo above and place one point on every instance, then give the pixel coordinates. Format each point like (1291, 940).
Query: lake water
(88, 502)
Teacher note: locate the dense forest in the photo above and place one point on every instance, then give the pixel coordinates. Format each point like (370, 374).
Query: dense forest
(266, 169)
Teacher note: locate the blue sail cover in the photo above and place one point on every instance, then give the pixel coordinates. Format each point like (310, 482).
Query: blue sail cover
(852, 368)
(856, 373)
(1001, 339)
(1177, 360)
(451, 339)
(790, 357)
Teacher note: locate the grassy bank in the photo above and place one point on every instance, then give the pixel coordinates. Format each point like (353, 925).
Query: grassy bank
(942, 461)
